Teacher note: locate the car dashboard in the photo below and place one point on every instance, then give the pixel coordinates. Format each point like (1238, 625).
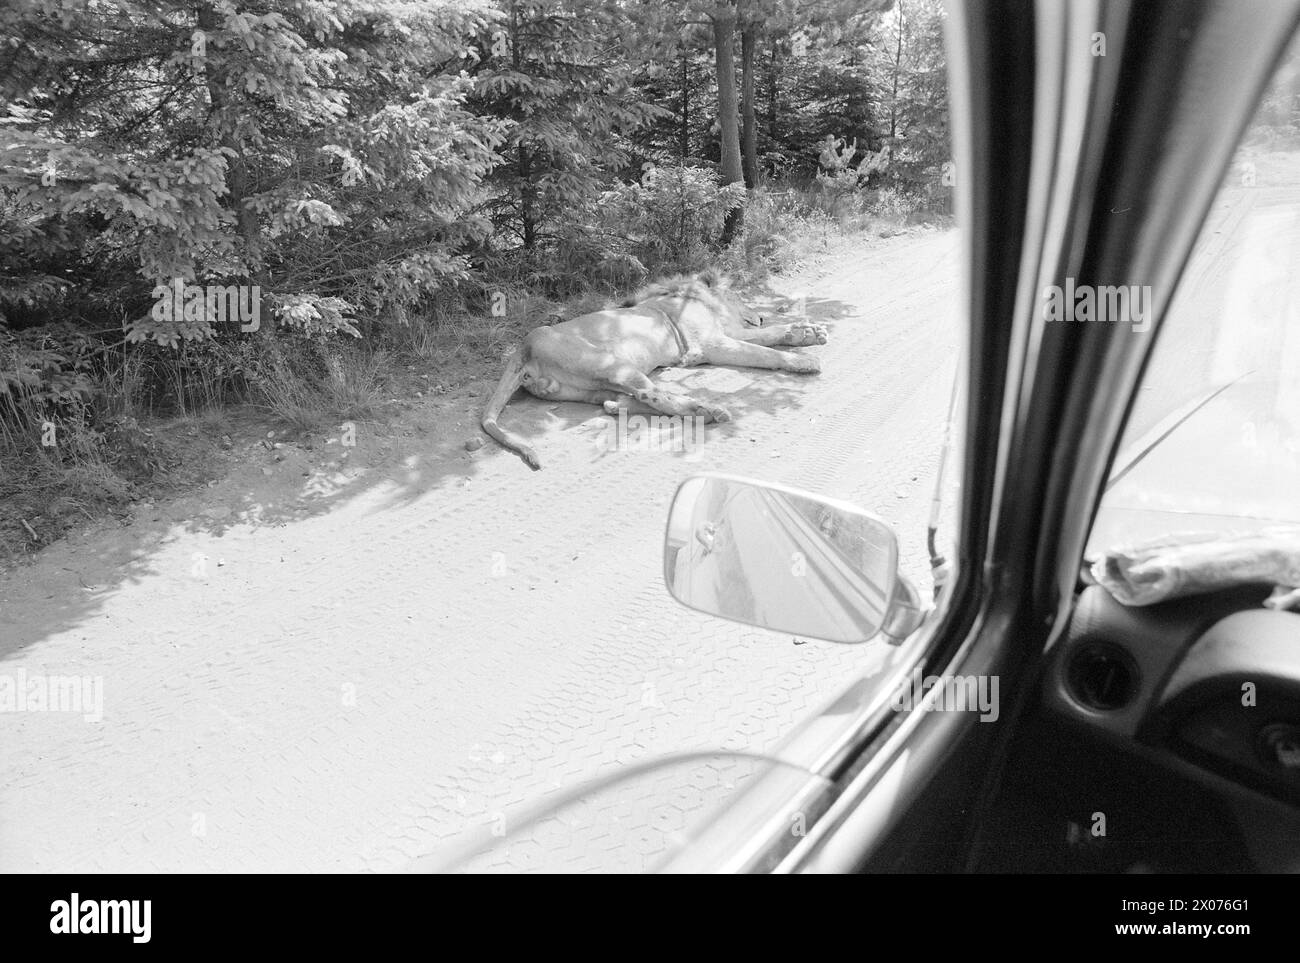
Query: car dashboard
(1165, 738)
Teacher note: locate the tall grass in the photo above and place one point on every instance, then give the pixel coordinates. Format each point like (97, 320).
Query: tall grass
(322, 384)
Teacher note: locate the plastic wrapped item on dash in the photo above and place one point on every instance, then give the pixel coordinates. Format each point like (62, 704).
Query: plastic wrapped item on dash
(1192, 563)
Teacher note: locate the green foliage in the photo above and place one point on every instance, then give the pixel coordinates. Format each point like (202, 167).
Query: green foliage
(43, 375)
(668, 220)
(557, 73)
(843, 171)
(912, 86)
(357, 158)
(318, 149)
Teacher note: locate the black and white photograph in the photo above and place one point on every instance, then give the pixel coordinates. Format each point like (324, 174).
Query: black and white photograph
(593, 437)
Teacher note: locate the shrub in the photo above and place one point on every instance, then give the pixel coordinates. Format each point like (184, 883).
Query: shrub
(668, 221)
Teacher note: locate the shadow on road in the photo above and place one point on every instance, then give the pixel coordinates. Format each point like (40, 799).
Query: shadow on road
(417, 452)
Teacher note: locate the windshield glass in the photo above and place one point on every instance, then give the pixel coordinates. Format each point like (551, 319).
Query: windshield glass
(1213, 441)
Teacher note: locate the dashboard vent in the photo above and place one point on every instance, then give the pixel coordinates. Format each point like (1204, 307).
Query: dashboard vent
(1102, 677)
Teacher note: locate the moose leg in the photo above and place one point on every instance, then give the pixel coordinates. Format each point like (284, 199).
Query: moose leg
(743, 354)
(795, 335)
(611, 401)
(632, 382)
(621, 402)
(567, 393)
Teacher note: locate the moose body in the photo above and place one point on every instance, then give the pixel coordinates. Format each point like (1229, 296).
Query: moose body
(605, 358)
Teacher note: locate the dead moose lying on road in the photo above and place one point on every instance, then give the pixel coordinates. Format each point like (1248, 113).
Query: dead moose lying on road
(605, 358)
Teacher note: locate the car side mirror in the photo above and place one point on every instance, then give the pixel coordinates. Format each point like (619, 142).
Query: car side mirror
(773, 557)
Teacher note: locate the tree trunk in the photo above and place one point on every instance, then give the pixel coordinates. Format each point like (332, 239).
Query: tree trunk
(724, 28)
(898, 68)
(749, 131)
(223, 112)
(686, 108)
(238, 181)
(527, 199)
(773, 78)
(527, 193)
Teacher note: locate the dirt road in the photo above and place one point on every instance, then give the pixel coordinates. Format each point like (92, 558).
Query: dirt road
(345, 658)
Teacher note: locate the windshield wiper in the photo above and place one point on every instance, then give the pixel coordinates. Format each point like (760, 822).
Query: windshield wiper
(1163, 430)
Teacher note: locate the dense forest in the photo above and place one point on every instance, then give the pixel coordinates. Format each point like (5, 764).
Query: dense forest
(390, 173)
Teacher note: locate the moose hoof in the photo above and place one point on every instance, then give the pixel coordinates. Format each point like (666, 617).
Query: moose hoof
(710, 413)
(806, 334)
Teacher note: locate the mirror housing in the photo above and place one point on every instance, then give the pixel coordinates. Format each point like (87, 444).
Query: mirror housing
(905, 615)
(781, 559)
